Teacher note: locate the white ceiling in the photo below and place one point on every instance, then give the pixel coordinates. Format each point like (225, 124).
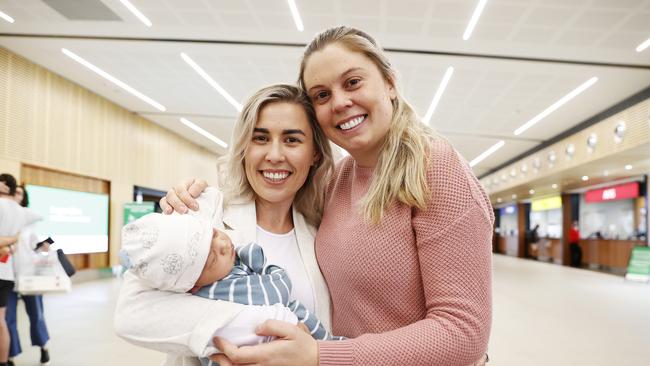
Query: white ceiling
(486, 100)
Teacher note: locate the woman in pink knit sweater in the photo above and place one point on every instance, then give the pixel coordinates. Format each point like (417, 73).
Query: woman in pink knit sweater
(405, 239)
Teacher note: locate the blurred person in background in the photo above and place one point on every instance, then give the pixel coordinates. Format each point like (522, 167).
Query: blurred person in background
(33, 303)
(574, 247)
(9, 210)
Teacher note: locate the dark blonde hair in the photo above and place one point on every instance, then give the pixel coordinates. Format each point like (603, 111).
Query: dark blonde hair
(310, 197)
(401, 171)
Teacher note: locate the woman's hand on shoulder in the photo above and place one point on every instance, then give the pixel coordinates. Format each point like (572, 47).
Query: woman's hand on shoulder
(293, 347)
(182, 196)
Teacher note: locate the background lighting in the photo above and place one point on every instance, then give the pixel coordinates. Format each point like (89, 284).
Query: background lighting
(136, 12)
(487, 153)
(474, 19)
(296, 15)
(438, 95)
(113, 80)
(556, 105)
(643, 45)
(211, 81)
(204, 133)
(6, 17)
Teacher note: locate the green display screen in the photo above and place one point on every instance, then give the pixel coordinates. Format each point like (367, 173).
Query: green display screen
(77, 221)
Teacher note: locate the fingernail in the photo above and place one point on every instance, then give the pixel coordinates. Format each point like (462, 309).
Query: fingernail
(194, 206)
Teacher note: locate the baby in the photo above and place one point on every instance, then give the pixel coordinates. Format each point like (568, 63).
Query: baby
(184, 253)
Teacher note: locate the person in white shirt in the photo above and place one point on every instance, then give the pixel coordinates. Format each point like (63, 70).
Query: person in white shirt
(273, 180)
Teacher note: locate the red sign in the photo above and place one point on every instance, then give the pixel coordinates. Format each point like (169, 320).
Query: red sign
(621, 192)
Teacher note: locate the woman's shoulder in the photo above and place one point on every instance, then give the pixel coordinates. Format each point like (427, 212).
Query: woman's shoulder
(452, 183)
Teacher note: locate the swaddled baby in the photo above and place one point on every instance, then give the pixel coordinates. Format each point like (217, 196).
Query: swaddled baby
(184, 253)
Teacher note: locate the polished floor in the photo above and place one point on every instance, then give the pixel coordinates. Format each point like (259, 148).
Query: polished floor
(544, 314)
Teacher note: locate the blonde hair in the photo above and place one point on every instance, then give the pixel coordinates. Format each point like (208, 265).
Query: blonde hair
(401, 171)
(310, 197)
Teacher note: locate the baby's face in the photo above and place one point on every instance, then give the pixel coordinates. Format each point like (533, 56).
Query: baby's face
(221, 259)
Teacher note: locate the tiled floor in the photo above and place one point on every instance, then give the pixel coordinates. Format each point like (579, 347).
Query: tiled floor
(544, 314)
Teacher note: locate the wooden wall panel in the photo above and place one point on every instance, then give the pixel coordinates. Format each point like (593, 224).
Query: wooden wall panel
(47, 121)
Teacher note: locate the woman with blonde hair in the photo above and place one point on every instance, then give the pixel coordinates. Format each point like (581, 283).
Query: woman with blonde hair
(272, 185)
(405, 239)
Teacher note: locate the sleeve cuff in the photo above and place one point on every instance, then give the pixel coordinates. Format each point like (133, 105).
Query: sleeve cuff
(335, 353)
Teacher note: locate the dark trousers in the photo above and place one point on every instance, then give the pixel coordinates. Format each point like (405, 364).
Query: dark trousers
(576, 254)
(37, 327)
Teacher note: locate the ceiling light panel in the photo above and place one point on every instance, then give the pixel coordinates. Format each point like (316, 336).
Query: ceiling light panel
(203, 132)
(113, 79)
(575, 92)
(474, 19)
(296, 15)
(6, 17)
(138, 14)
(199, 70)
(438, 95)
(487, 153)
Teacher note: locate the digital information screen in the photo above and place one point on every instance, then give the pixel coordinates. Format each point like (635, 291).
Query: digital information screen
(77, 221)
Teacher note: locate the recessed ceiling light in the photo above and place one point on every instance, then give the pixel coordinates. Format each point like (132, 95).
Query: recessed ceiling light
(6, 17)
(204, 133)
(584, 86)
(643, 45)
(472, 22)
(211, 81)
(606, 173)
(487, 153)
(554, 186)
(113, 79)
(585, 178)
(514, 196)
(436, 97)
(499, 200)
(532, 191)
(628, 167)
(136, 12)
(296, 15)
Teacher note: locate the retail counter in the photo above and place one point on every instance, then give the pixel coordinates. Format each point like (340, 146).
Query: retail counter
(508, 245)
(607, 254)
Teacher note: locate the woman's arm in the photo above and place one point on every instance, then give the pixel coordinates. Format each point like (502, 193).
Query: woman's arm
(169, 322)
(9, 240)
(184, 324)
(456, 273)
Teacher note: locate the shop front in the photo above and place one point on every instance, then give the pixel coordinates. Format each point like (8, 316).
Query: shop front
(508, 231)
(545, 237)
(612, 222)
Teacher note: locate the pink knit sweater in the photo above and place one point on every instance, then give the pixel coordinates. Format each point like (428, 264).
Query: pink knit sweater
(415, 289)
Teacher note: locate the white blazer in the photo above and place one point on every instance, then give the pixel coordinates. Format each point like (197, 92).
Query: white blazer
(182, 325)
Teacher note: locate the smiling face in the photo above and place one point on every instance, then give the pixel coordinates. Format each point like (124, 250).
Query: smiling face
(221, 259)
(280, 153)
(352, 100)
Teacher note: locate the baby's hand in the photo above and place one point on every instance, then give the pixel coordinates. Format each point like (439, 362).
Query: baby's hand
(223, 238)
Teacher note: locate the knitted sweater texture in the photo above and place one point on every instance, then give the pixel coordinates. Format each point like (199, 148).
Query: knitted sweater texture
(414, 289)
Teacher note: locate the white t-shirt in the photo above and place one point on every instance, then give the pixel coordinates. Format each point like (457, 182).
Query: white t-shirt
(282, 250)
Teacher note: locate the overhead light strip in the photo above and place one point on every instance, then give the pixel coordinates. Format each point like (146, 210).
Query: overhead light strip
(296, 15)
(136, 12)
(472, 22)
(113, 80)
(556, 105)
(204, 133)
(211, 81)
(487, 153)
(643, 45)
(6, 17)
(438, 95)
